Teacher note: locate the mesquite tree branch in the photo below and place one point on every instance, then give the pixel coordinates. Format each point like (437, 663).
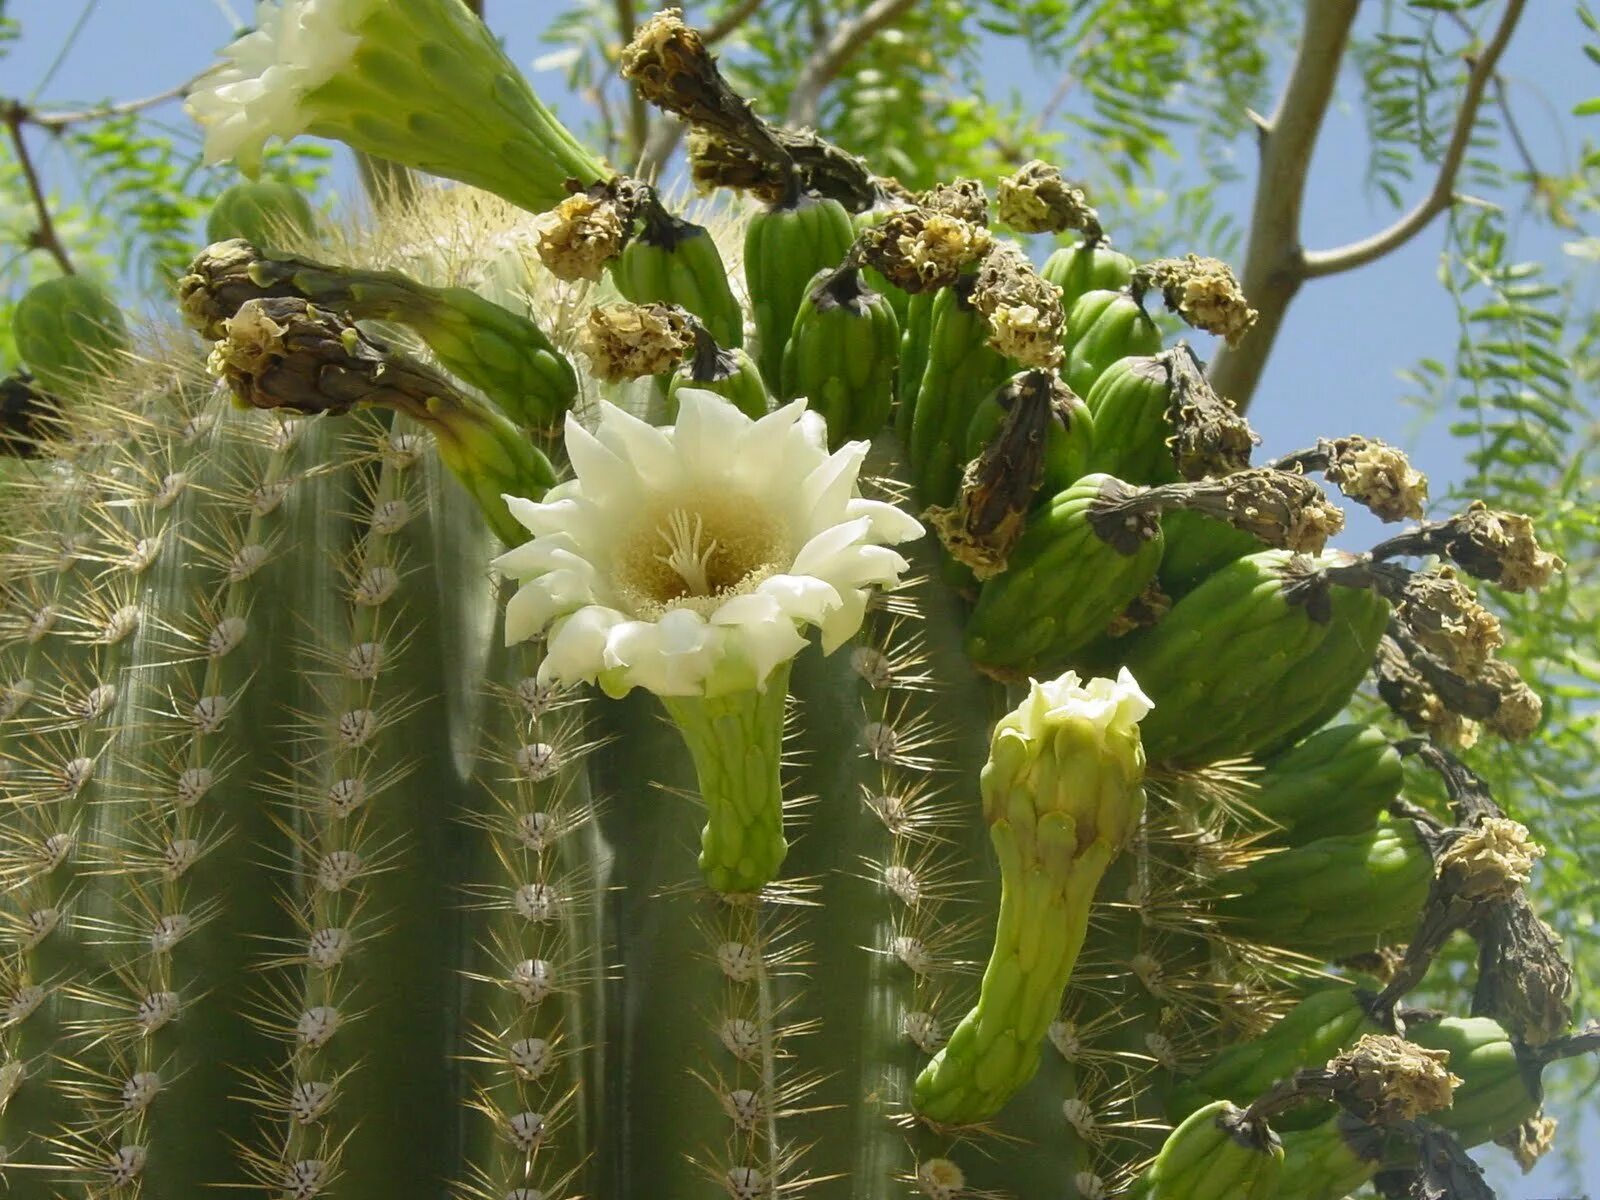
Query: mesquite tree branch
(45, 236)
(831, 57)
(1272, 273)
(1276, 263)
(1344, 258)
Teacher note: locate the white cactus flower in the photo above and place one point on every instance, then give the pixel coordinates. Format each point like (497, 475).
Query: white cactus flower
(420, 82)
(258, 89)
(687, 560)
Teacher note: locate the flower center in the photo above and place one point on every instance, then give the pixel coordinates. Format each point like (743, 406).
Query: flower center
(684, 555)
(696, 552)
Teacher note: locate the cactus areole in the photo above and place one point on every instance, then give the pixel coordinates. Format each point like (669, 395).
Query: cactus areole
(470, 729)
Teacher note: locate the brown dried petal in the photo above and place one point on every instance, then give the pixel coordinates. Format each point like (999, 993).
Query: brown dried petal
(1022, 307)
(1518, 714)
(1490, 860)
(579, 236)
(963, 199)
(1038, 200)
(1446, 619)
(630, 341)
(1377, 475)
(1386, 1078)
(1203, 291)
(917, 250)
(1530, 1141)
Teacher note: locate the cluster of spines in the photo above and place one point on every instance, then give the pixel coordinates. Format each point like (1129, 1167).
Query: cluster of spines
(540, 968)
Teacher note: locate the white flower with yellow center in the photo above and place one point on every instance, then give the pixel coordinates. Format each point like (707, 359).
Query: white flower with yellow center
(686, 560)
(690, 561)
(420, 82)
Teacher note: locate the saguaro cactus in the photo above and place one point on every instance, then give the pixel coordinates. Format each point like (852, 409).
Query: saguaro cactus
(345, 855)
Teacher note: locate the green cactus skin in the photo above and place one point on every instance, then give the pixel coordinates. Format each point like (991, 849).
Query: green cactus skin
(1080, 269)
(1129, 402)
(68, 331)
(1329, 1161)
(1213, 1156)
(1101, 328)
(264, 212)
(677, 262)
(1243, 636)
(1333, 783)
(1323, 1025)
(734, 741)
(1198, 546)
(784, 247)
(1055, 824)
(961, 371)
(523, 154)
(1500, 1085)
(1065, 583)
(841, 355)
(1333, 898)
(916, 327)
(737, 380)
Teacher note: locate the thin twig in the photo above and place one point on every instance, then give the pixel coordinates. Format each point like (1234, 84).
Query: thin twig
(730, 23)
(638, 111)
(57, 121)
(45, 237)
(1316, 263)
(830, 59)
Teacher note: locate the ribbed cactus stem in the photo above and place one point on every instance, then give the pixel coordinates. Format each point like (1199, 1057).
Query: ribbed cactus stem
(51, 764)
(535, 1044)
(370, 907)
(177, 827)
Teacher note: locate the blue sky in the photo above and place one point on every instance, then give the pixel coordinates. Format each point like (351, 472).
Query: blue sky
(1335, 368)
